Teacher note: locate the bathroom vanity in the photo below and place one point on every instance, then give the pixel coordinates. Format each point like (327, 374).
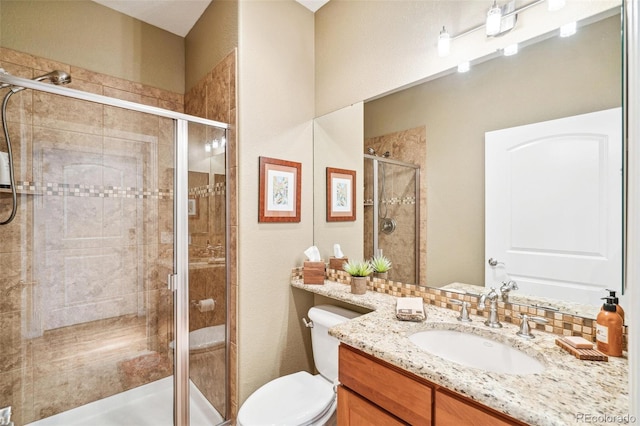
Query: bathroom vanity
(404, 397)
(387, 379)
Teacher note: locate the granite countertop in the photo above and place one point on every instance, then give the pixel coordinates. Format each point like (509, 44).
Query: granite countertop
(567, 389)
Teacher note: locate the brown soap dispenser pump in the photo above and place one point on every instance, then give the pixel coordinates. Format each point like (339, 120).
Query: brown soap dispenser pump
(609, 329)
(619, 310)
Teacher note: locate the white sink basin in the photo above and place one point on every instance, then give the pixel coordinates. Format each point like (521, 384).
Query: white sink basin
(476, 351)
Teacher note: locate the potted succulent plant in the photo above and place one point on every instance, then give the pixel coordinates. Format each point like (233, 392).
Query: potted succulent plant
(381, 265)
(359, 270)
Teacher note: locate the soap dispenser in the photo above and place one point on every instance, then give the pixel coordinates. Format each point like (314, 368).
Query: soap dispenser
(609, 329)
(619, 310)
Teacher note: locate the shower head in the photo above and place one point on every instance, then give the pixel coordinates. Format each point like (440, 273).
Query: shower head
(57, 77)
(386, 154)
(371, 151)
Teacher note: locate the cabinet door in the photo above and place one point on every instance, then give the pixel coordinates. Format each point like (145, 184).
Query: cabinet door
(454, 411)
(386, 386)
(356, 411)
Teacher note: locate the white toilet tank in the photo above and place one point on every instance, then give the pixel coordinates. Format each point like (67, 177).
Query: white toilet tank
(325, 347)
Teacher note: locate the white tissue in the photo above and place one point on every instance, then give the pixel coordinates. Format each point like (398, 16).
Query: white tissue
(337, 251)
(313, 254)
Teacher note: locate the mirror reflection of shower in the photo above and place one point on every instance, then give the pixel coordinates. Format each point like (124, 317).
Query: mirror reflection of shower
(391, 212)
(7, 173)
(387, 224)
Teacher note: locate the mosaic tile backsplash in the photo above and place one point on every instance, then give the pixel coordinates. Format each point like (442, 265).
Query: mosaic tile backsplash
(558, 322)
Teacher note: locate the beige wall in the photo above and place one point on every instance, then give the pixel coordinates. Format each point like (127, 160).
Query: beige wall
(365, 49)
(210, 40)
(275, 101)
(585, 76)
(94, 37)
(333, 146)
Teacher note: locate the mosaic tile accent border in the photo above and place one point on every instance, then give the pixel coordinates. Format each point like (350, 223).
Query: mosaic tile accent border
(80, 190)
(217, 188)
(558, 323)
(393, 201)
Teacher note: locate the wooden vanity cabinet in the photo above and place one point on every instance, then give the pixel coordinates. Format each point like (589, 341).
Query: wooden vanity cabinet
(376, 393)
(454, 410)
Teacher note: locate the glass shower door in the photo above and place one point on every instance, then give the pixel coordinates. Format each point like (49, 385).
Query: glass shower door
(391, 220)
(91, 330)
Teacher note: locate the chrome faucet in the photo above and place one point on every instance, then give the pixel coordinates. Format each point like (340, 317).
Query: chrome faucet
(525, 331)
(506, 287)
(492, 296)
(464, 311)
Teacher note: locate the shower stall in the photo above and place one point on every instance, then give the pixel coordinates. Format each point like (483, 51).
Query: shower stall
(112, 253)
(392, 214)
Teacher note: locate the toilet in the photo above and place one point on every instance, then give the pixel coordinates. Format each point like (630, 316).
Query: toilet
(301, 398)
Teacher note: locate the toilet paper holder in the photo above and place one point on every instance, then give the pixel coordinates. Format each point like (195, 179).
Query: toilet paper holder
(204, 305)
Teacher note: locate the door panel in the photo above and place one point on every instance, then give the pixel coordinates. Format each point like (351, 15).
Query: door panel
(553, 205)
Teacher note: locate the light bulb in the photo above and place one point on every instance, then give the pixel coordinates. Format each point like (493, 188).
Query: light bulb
(207, 147)
(553, 5)
(568, 29)
(510, 50)
(494, 19)
(444, 43)
(215, 144)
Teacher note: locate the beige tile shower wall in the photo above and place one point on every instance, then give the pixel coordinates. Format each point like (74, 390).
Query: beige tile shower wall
(84, 313)
(214, 97)
(409, 146)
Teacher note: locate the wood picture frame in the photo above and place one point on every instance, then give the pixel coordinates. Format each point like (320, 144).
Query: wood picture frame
(341, 195)
(280, 187)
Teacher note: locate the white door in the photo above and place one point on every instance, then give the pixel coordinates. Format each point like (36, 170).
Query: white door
(553, 206)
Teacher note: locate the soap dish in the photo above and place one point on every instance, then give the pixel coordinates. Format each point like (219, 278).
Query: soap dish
(587, 354)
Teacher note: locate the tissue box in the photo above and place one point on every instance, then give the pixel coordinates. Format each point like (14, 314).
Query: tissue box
(313, 272)
(335, 263)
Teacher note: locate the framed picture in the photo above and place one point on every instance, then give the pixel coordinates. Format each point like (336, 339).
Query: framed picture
(280, 184)
(192, 208)
(341, 195)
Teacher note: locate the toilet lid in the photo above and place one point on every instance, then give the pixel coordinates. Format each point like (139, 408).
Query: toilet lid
(296, 399)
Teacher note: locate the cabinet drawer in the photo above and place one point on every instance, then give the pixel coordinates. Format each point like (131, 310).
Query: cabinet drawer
(386, 386)
(356, 411)
(452, 410)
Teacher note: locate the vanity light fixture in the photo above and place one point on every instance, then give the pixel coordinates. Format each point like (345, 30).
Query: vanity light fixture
(444, 43)
(464, 66)
(568, 30)
(499, 21)
(494, 20)
(510, 50)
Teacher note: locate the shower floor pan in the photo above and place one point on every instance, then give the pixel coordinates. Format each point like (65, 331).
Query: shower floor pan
(146, 405)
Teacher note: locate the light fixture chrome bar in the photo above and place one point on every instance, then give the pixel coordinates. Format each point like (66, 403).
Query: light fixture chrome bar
(11, 80)
(506, 15)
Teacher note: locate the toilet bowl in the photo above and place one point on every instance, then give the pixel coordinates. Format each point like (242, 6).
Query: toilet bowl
(205, 338)
(302, 399)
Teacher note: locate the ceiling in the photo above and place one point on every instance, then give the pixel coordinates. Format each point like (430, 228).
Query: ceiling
(175, 16)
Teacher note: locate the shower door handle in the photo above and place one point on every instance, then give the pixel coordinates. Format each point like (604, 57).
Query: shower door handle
(171, 282)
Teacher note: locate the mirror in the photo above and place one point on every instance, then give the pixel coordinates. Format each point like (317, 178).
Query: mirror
(549, 78)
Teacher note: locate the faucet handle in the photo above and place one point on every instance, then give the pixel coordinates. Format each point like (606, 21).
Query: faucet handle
(464, 312)
(525, 331)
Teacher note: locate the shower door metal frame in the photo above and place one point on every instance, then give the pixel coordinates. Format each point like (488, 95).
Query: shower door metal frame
(376, 200)
(180, 279)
